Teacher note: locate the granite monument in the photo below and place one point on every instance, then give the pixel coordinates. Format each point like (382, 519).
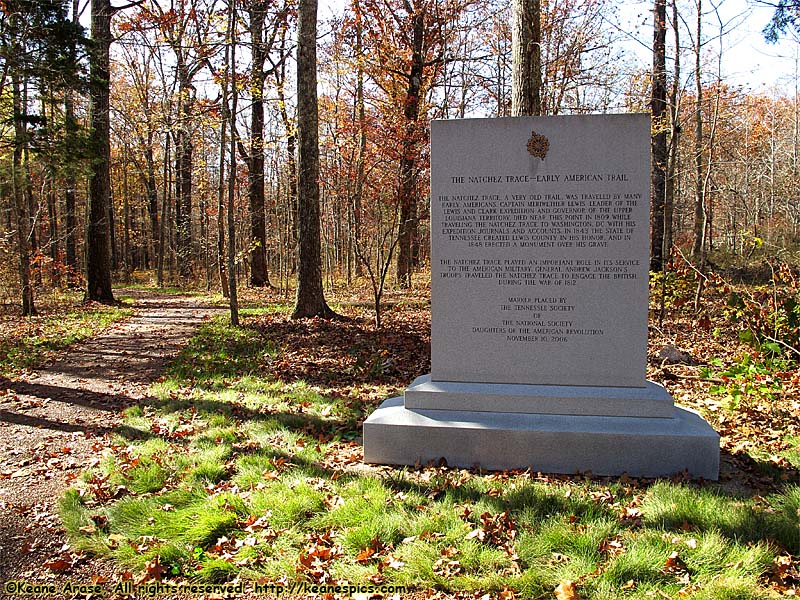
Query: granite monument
(539, 300)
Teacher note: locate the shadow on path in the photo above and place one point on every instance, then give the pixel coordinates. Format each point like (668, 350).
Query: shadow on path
(52, 420)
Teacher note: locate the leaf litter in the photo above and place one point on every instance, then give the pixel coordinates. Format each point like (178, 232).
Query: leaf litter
(360, 372)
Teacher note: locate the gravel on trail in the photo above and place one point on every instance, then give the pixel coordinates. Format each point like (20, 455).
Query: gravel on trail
(55, 421)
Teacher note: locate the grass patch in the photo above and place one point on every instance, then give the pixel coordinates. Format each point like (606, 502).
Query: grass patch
(245, 464)
(28, 342)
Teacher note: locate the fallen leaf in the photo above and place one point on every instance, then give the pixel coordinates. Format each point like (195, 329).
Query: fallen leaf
(392, 563)
(153, 570)
(566, 591)
(58, 565)
(376, 578)
(365, 555)
(447, 568)
(507, 594)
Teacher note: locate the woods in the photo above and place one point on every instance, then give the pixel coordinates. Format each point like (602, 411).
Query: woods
(117, 136)
(265, 166)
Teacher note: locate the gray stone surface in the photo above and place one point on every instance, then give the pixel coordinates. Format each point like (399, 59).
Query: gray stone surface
(649, 401)
(640, 447)
(539, 297)
(540, 267)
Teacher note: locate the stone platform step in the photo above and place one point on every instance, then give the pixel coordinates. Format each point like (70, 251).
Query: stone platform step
(647, 400)
(549, 443)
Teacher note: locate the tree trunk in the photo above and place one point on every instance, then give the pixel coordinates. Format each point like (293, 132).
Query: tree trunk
(184, 150)
(223, 129)
(27, 184)
(408, 168)
(700, 221)
(698, 246)
(49, 188)
(70, 180)
(70, 185)
(362, 137)
(152, 197)
(184, 200)
(98, 234)
(19, 182)
(310, 298)
(127, 259)
(658, 108)
(233, 299)
(259, 275)
(291, 150)
(526, 83)
(291, 189)
(674, 155)
(112, 229)
(163, 245)
(52, 219)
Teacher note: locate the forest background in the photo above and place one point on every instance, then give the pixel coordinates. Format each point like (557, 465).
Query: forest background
(184, 82)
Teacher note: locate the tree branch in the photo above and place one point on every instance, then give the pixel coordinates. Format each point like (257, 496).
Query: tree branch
(116, 9)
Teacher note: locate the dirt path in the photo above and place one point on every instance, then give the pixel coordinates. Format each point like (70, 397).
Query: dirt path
(52, 423)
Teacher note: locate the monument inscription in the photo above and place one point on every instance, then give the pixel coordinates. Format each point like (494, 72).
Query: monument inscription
(538, 263)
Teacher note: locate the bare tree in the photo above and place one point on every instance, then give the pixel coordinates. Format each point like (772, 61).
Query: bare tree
(310, 298)
(264, 33)
(408, 192)
(230, 60)
(71, 180)
(658, 110)
(98, 227)
(527, 58)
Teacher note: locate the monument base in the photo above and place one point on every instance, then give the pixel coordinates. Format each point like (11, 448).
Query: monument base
(549, 443)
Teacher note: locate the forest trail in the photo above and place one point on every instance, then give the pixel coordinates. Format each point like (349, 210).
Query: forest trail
(55, 421)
